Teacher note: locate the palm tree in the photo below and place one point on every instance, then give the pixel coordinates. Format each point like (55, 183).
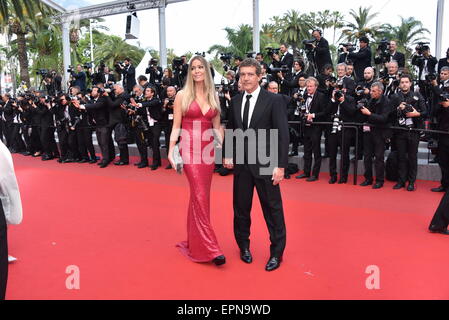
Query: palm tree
(240, 41)
(15, 18)
(362, 25)
(113, 49)
(292, 28)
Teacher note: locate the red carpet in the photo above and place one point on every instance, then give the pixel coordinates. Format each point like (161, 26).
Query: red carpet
(120, 227)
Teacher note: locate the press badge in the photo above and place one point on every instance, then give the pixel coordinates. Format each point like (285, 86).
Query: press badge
(170, 116)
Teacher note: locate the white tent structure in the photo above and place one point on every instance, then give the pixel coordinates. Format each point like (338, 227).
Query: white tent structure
(140, 69)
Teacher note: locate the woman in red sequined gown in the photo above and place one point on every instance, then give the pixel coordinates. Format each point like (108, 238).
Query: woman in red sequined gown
(196, 117)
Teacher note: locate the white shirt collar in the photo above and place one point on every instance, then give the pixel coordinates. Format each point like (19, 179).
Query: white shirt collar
(254, 95)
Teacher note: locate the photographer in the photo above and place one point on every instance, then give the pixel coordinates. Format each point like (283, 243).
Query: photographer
(139, 125)
(350, 71)
(98, 107)
(408, 112)
(444, 62)
(84, 127)
(167, 116)
(118, 121)
(343, 81)
(376, 112)
(106, 77)
(292, 81)
(391, 80)
(79, 78)
(17, 144)
(265, 77)
(314, 111)
(36, 145)
(151, 112)
(7, 117)
(46, 111)
(168, 78)
(296, 108)
(399, 57)
(154, 73)
(326, 80)
(322, 51)
(426, 64)
(341, 109)
(361, 59)
(260, 58)
(129, 74)
(441, 113)
(180, 70)
(67, 119)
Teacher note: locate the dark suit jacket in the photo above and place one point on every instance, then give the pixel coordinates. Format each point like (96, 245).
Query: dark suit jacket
(8, 112)
(400, 58)
(270, 112)
(116, 113)
(154, 107)
(46, 115)
(419, 62)
(287, 60)
(362, 60)
(347, 109)
(99, 111)
(380, 116)
(322, 54)
(129, 78)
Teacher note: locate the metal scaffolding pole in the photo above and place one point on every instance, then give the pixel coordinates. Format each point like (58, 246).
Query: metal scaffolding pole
(66, 53)
(162, 37)
(256, 27)
(439, 31)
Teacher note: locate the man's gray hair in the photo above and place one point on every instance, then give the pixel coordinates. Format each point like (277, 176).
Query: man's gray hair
(378, 85)
(342, 65)
(312, 79)
(446, 68)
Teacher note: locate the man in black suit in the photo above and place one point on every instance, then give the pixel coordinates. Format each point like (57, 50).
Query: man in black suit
(322, 52)
(99, 109)
(443, 62)
(7, 117)
(377, 113)
(440, 111)
(361, 59)
(46, 112)
(316, 105)
(440, 220)
(129, 75)
(79, 78)
(426, 64)
(395, 55)
(118, 119)
(287, 57)
(252, 114)
(66, 115)
(155, 72)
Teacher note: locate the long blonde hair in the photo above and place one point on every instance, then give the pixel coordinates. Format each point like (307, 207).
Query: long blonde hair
(209, 88)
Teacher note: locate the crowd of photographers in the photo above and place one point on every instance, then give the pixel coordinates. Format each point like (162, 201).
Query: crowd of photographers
(389, 107)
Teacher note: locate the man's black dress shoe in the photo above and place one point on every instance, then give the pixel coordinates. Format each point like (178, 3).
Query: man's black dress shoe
(273, 264)
(83, 161)
(398, 186)
(246, 256)
(439, 189)
(138, 163)
(142, 165)
(219, 261)
(154, 167)
(47, 158)
(333, 180)
(366, 183)
(442, 231)
(303, 176)
(93, 161)
(343, 181)
(168, 167)
(312, 179)
(411, 187)
(121, 163)
(378, 185)
(103, 164)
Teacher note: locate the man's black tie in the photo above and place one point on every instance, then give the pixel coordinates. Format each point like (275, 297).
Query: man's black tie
(246, 112)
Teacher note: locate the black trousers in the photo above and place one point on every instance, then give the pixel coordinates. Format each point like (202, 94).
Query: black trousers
(374, 146)
(142, 143)
(17, 143)
(312, 145)
(68, 144)
(443, 159)
(155, 136)
(104, 141)
(85, 143)
(166, 127)
(7, 131)
(2, 131)
(335, 141)
(123, 148)
(271, 203)
(3, 254)
(48, 142)
(407, 146)
(440, 220)
(36, 144)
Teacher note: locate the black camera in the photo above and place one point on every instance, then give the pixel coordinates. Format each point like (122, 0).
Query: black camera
(250, 54)
(42, 72)
(177, 63)
(88, 65)
(359, 90)
(140, 123)
(74, 123)
(153, 63)
(171, 102)
(308, 44)
(383, 52)
(283, 69)
(443, 97)
(70, 69)
(272, 51)
(363, 103)
(349, 46)
(339, 94)
(421, 47)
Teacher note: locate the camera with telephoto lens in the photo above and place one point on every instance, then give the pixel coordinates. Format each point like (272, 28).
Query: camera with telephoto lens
(152, 62)
(70, 69)
(336, 124)
(383, 52)
(421, 47)
(402, 113)
(74, 123)
(443, 97)
(272, 51)
(42, 72)
(359, 90)
(177, 63)
(88, 65)
(282, 69)
(431, 77)
(349, 46)
(363, 103)
(226, 59)
(140, 123)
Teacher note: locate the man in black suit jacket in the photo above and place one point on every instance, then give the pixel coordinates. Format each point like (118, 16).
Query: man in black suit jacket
(316, 106)
(361, 59)
(287, 57)
(129, 75)
(322, 52)
(255, 113)
(443, 62)
(98, 107)
(395, 55)
(377, 112)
